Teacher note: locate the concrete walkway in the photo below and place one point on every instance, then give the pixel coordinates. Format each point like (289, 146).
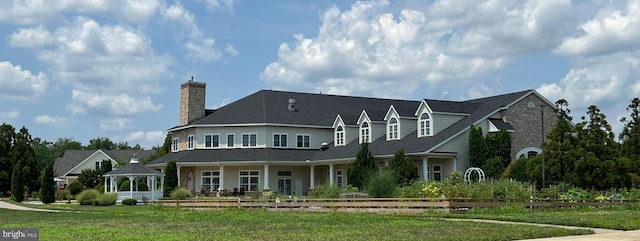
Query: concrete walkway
(600, 233)
(7, 205)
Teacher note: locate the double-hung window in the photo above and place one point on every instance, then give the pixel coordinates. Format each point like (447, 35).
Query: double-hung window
(190, 142)
(249, 180)
(249, 140)
(393, 129)
(339, 136)
(280, 140)
(364, 133)
(174, 144)
(231, 140)
(303, 141)
(211, 140)
(425, 124)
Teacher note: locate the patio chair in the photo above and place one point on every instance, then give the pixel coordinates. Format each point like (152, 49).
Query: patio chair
(242, 191)
(235, 191)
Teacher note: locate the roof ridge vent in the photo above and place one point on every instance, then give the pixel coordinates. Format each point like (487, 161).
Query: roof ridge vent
(292, 105)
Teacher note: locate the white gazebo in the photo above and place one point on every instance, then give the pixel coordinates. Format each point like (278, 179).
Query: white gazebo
(135, 172)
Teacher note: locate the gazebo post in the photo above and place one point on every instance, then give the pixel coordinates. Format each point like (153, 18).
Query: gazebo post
(105, 184)
(131, 186)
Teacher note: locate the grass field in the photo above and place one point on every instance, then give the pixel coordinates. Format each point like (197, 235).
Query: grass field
(156, 223)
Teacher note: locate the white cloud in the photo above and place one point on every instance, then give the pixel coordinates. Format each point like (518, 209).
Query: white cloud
(18, 84)
(220, 5)
(116, 124)
(612, 30)
(146, 139)
(231, 50)
(45, 12)
(110, 104)
(35, 37)
(197, 47)
(372, 51)
(9, 115)
(52, 121)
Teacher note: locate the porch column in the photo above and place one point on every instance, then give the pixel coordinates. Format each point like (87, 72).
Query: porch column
(115, 186)
(131, 185)
(179, 181)
(455, 164)
(266, 178)
(221, 178)
(311, 177)
(153, 188)
(105, 183)
(162, 184)
(425, 169)
(331, 175)
(386, 163)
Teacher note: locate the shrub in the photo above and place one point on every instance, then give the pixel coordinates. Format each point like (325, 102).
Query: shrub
(75, 188)
(100, 188)
(63, 194)
(142, 186)
(87, 197)
(129, 201)
(124, 186)
(180, 194)
(412, 191)
(106, 199)
(326, 190)
(454, 187)
(382, 184)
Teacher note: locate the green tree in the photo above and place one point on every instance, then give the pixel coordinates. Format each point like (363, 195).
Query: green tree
(22, 151)
(630, 135)
(47, 192)
(477, 147)
(518, 170)
(101, 143)
(89, 178)
(493, 168)
(17, 183)
(170, 178)
(403, 168)
(105, 167)
(500, 146)
(381, 183)
(560, 149)
(63, 144)
(7, 133)
(362, 168)
(160, 150)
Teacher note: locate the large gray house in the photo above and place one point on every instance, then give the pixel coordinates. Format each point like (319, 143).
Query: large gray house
(289, 142)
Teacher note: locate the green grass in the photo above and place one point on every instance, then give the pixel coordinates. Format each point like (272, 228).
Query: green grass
(608, 218)
(154, 223)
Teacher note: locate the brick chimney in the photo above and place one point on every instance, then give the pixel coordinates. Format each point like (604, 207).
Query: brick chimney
(192, 97)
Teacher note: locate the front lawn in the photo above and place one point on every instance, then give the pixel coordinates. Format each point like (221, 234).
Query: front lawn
(157, 223)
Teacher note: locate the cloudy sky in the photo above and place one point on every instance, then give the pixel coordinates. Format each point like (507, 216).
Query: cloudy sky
(112, 68)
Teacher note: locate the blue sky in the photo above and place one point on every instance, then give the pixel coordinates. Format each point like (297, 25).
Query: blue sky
(112, 68)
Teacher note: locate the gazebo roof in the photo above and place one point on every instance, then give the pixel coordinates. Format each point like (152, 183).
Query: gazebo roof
(134, 169)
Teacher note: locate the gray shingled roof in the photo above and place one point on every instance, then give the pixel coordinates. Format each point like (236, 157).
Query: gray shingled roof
(270, 106)
(135, 169)
(500, 124)
(72, 158)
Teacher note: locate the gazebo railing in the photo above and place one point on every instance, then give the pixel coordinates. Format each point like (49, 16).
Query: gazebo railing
(137, 195)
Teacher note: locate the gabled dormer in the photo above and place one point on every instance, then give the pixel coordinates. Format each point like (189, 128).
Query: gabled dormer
(398, 126)
(425, 120)
(365, 128)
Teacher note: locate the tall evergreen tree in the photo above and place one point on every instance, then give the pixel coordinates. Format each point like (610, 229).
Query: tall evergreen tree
(403, 168)
(170, 178)
(17, 183)
(22, 151)
(560, 149)
(7, 133)
(477, 147)
(501, 147)
(630, 135)
(362, 168)
(105, 166)
(48, 187)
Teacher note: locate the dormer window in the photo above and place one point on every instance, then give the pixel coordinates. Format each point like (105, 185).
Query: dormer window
(365, 132)
(393, 129)
(339, 136)
(425, 125)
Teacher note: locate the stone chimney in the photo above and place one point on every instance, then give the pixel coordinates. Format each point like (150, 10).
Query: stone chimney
(192, 97)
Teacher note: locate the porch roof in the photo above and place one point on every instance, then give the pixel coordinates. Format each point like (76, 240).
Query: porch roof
(237, 155)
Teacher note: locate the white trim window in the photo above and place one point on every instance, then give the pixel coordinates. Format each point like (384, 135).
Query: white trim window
(365, 133)
(249, 140)
(249, 180)
(340, 178)
(231, 140)
(279, 140)
(339, 136)
(210, 180)
(97, 166)
(284, 182)
(393, 129)
(174, 144)
(425, 124)
(303, 141)
(190, 142)
(211, 140)
(437, 173)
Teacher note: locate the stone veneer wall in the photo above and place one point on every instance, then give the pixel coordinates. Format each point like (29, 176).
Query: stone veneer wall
(192, 101)
(527, 123)
(182, 138)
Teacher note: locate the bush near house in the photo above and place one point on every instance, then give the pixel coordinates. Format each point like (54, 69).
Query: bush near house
(180, 194)
(130, 202)
(87, 197)
(106, 199)
(75, 188)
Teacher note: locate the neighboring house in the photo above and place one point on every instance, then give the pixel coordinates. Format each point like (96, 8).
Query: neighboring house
(68, 167)
(289, 142)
